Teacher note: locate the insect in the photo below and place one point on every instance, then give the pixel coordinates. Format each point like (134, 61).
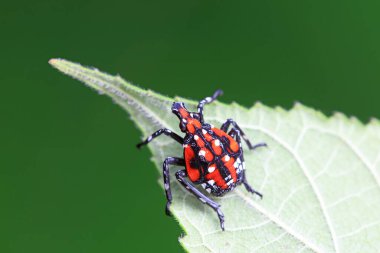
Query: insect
(211, 156)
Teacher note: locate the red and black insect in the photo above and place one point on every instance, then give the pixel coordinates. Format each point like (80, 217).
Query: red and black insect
(212, 157)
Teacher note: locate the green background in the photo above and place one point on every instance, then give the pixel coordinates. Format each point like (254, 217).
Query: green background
(71, 179)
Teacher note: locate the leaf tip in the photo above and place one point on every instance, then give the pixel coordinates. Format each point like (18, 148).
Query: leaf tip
(58, 63)
(54, 61)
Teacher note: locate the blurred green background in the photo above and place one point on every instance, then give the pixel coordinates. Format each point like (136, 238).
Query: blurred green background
(71, 179)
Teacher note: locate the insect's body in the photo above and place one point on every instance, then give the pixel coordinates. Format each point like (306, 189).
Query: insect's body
(212, 157)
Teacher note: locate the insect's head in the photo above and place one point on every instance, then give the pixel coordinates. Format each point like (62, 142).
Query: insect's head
(189, 121)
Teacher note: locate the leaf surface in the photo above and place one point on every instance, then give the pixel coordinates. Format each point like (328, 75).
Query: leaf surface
(320, 176)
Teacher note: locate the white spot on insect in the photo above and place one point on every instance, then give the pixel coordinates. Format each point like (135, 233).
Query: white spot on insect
(204, 185)
(230, 182)
(191, 115)
(208, 99)
(226, 158)
(204, 131)
(149, 138)
(227, 178)
(211, 169)
(208, 190)
(202, 153)
(212, 126)
(169, 131)
(185, 145)
(166, 186)
(237, 164)
(217, 142)
(184, 120)
(211, 182)
(196, 137)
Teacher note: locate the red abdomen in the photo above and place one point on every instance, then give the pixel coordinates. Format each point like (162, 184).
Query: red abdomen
(213, 158)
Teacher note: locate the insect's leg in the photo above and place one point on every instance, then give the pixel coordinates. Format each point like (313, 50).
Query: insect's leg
(248, 187)
(180, 175)
(207, 100)
(229, 122)
(166, 175)
(258, 145)
(165, 131)
(234, 133)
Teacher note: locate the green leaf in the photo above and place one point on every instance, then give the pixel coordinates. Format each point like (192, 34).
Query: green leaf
(320, 176)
